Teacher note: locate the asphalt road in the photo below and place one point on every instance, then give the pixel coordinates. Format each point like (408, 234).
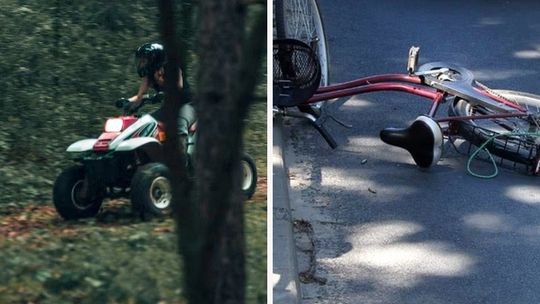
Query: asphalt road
(383, 230)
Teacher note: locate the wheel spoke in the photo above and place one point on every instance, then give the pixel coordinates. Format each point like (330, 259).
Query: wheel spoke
(302, 21)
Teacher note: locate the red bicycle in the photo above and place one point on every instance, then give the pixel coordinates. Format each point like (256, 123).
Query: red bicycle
(506, 123)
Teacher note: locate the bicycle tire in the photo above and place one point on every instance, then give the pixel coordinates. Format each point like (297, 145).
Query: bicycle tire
(295, 64)
(287, 14)
(520, 149)
(287, 26)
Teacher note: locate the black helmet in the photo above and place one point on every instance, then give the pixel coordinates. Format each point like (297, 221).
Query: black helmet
(150, 57)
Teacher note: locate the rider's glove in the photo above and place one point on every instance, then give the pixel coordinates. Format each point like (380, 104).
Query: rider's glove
(121, 102)
(158, 97)
(130, 107)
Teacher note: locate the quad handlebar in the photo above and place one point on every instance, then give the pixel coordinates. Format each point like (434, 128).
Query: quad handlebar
(132, 107)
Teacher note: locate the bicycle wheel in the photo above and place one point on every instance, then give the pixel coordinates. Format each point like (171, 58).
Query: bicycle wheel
(301, 20)
(518, 148)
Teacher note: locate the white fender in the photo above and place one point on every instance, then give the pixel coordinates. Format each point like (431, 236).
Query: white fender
(82, 145)
(134, 143)
(144, 121)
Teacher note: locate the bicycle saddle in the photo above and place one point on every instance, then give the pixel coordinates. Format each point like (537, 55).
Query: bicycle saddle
(296, 72)
(423, 139)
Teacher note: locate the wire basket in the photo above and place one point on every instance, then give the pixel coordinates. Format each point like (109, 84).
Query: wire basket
(296, 72)
(519, 152)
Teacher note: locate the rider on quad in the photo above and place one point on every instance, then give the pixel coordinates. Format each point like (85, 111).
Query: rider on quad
(127, 160)
(151, 59)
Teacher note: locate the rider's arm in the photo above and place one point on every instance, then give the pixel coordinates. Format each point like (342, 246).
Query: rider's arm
(160, 78)
(180, 79)
(143, 88)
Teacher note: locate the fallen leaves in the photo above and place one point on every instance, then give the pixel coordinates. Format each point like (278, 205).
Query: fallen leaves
(164, 229)
(15, 223)
(261, 191)
(45, 259)
(112, 258)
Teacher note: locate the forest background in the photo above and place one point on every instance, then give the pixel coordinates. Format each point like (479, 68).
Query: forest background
(64, 63)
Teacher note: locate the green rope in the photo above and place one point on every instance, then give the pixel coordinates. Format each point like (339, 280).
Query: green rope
(482, 147)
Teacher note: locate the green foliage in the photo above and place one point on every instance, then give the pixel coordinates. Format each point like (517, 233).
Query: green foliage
(64, 63)
(255, 136)
(115, 259)
(62, 67)
(255, 214)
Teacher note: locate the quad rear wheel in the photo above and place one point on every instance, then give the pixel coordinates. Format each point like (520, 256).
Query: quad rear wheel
(249, 175)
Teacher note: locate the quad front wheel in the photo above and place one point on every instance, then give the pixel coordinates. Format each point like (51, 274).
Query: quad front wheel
(151, 191)
(72, 197)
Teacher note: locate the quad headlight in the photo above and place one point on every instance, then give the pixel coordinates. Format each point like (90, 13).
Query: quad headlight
(114, 125)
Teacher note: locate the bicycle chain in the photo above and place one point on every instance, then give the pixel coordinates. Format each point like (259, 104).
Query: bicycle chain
(491, 91)
(531, 118)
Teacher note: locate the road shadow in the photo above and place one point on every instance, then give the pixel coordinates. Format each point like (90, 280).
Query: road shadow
(386, 232)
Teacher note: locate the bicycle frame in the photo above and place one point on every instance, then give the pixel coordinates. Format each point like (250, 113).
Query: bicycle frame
(390, 82)
(415, 85)
(424, 85)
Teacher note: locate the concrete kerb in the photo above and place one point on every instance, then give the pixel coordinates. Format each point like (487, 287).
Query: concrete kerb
(285, 269)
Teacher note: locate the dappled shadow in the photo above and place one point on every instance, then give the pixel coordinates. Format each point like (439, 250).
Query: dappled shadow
(396, 231)
(386, 232)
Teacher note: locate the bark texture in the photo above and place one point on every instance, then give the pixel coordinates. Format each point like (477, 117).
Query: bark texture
(210, 217)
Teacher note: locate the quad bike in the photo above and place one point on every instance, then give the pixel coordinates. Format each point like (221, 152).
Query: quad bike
(127, 161)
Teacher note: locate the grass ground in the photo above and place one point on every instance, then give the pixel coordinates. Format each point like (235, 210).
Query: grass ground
(114, 258)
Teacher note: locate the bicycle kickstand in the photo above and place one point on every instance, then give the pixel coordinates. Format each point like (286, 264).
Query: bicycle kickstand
(315, 122)
(325, 114)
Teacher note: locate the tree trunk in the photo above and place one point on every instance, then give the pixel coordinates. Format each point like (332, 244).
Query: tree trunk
(230, 64)
(185, 212)
(211, 228)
